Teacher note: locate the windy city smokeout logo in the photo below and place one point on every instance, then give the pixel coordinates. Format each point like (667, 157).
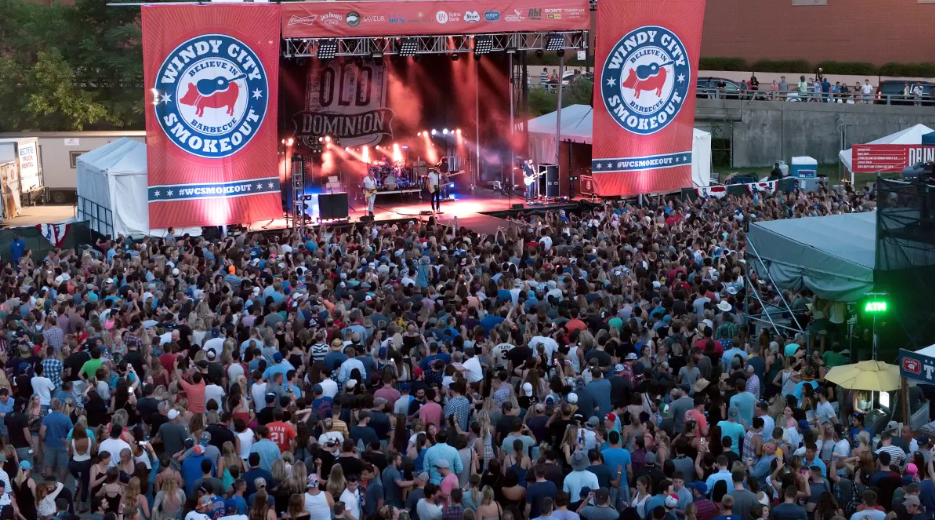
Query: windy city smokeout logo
(210, 95)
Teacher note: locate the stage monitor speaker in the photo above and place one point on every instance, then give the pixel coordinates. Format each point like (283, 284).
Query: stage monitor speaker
(366, 218)
(586, 185)
(332, 206)
(518, 206)
(551, 181)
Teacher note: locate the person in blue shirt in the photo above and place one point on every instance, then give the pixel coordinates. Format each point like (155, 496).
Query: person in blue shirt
(17, 247)
(54, 430)
(731, 428)
(191, 468)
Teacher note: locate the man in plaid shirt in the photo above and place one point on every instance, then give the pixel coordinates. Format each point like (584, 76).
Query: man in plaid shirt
(53, 335)
(454, 510)
(52, 367)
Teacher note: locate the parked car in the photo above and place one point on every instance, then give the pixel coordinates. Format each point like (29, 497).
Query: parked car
(891, 92)
(707, 88)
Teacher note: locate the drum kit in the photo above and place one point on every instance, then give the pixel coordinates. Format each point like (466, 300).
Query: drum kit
(390, 176)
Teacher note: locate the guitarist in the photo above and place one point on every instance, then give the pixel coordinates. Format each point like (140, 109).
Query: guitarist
(370, 191)
(434, 180)
(529, 174)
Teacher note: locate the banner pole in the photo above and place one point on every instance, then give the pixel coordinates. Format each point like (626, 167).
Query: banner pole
(476, 122)
(558, 110)
(512, 119)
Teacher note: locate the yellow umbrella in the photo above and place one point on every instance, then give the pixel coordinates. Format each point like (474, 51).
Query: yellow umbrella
(875, 376)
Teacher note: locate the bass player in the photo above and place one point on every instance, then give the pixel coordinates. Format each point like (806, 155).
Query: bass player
(370, 191)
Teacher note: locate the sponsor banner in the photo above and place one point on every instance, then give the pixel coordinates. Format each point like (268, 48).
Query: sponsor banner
(347, 100)
(28, 152)
(889, 158)
(917, 367)
(644, 101)
(335, 19)
(212, 79)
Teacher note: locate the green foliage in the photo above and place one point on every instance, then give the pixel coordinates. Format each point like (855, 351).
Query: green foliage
(922, 70)
(856, 68)
(798, 66)
(542, 100)
(732, 64)
(74, 67)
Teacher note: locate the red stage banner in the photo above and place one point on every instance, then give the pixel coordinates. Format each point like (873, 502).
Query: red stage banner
(337, 19)
(644, 104)
(888, 158)
(212, 73)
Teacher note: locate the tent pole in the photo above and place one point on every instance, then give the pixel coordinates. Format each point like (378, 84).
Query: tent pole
(903, 394)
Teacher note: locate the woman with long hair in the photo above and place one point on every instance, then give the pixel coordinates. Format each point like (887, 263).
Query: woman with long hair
(261, 509)
(229, 459)
(827, 507)
(472, 495)
(110, 493)
(488, 509)
(569, 444)
(296, 509)
(336, 483)
(79, 460)
(244, 436)
(641, 496)
(134, 498)
(400, 440)
(169, 501)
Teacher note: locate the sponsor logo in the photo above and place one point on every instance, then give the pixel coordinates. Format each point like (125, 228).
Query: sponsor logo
(210, 95)
(555, 16)
(515, 16)
(534, 14)
(368, 19)
(397, 18)
(441, 17)
(353, 18)
(492, 16)
(912, 365)
(303, 20)
(471, 16)
(332, 19)
(574, 13)
(420, 18)
(645, 79)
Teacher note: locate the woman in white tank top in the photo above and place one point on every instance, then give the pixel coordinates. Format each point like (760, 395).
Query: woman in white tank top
(246, 442)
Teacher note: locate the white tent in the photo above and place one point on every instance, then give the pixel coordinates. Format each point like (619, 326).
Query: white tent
(577, 127)
(911, 135)
(114, 177)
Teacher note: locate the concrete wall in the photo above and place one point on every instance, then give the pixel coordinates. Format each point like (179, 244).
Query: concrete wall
(763, 132)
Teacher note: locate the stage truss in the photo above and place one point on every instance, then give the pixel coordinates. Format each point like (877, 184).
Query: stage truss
(371, 47)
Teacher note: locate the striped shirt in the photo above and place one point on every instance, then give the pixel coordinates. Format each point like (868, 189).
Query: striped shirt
(896, 453)
(54, 337)
(319, 351)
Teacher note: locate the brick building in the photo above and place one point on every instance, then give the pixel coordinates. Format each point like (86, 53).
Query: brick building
(876, 31)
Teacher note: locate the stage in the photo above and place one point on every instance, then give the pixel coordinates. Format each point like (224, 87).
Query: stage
(480, 211)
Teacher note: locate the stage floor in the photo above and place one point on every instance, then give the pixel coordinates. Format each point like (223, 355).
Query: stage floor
(470, 208)
(45, 214)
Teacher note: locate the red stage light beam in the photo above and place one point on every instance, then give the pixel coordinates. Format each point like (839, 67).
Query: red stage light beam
(397, 154)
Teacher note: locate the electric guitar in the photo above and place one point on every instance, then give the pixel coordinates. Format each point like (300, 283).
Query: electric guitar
(369, 192)
(531, 178)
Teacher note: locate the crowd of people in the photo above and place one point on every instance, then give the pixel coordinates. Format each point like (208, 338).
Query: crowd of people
(597, 364)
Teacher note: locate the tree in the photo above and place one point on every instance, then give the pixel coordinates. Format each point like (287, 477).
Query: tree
(53, 101)
(580, 91)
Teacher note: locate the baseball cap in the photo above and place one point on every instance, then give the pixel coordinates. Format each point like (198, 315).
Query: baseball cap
(912, 500)
(672, 501)
(527, 389)
(25, 465)
(423, 476)
(270, 397)
(198, 449)
(618, 368)
(318, 389)
(277, 357)
(733, 413)
(313, 480)
(650, 458)
(417, 371)
(204, 488)
(803, 425)
(699, 486)
(442, 463)
(172, 414)
(911, 469)
(631, 356)
(572, 398)
(230, 504)
(612, 417)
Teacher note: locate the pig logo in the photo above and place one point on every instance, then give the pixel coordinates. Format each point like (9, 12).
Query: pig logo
(210, 96)
(645, 79)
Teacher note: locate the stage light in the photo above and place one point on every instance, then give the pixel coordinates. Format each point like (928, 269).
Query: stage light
(458, 131)
(290, 141)
(327, 138)
(434, 131)
(408, 47)
(377, 147)
(327, 49)
(483, 44)
(445, 131)
(560, 53)
(454, 56)
(321, 139)
(556, 41)
(365, 156)
(283, 141)
(347, 149)
(395, 145)
(418, 134)
(539, 53)
(477, 57)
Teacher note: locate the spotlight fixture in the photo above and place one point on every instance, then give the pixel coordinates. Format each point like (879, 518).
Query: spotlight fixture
(458, 131)
(483, 44)
(327, 138)
(555, 42)
(539, 53)
(408, 47)
(327, 49)
(445, 131)
(477, 57)
(418, 134)
(454, 56)
(321, 139)
(347, 149)
(290, 141)
(434, 131)
(560, 53)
